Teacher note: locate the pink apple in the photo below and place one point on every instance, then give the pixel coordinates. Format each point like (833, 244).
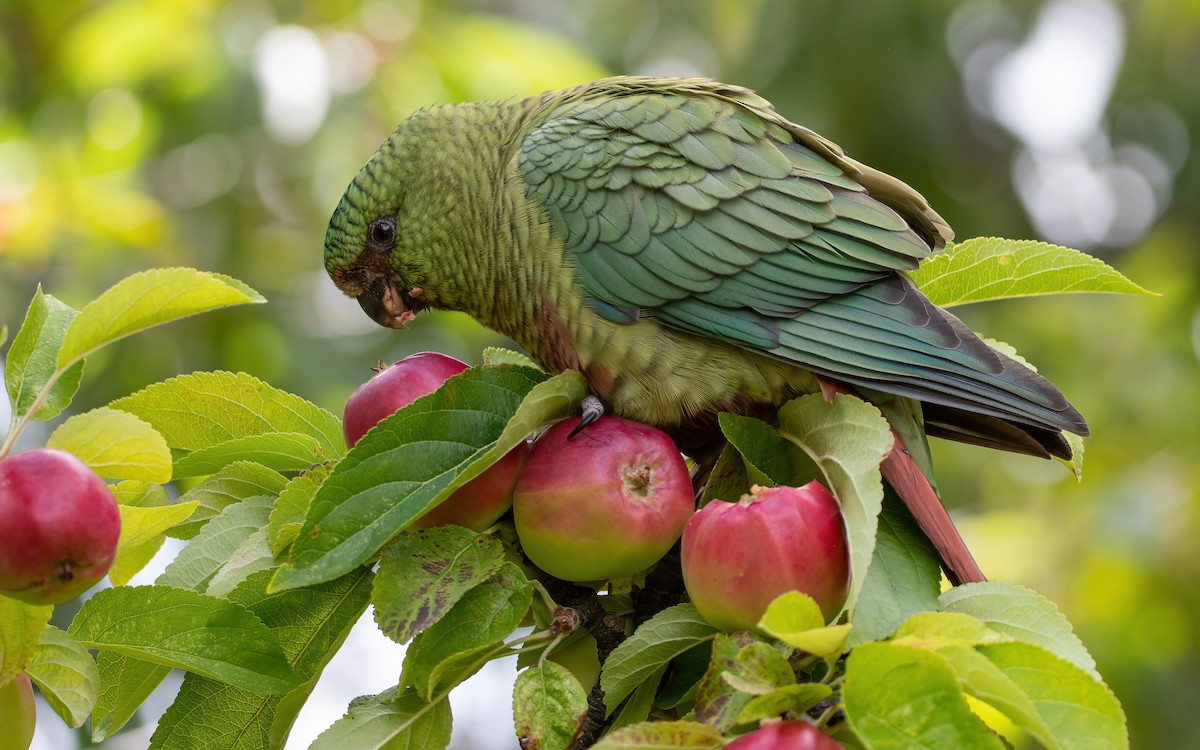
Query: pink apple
(477, 504)
(607, 503)
(785, 735)
(59, 526)
(738, 557)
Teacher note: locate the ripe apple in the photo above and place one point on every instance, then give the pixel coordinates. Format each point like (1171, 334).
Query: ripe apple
(478, 503)
(738, 557)
(607, 503)
(785, 735)
(59, 526)
(17, 713)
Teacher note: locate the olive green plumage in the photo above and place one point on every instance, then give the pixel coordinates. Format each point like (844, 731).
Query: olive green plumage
(686, 248)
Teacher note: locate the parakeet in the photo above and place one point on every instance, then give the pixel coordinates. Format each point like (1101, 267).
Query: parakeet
(687, 249)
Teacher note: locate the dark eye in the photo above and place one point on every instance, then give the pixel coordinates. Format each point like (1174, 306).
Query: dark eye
(382, 233)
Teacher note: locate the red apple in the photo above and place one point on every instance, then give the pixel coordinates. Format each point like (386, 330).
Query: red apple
(478, 503)
(738, 557)
(59, 526)
(17, 713)
(607, 503)
(785, 735)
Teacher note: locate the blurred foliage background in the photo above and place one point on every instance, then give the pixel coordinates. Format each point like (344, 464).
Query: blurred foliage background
(143, 133)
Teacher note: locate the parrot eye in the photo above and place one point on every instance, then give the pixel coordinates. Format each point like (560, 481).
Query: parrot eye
(382, 233)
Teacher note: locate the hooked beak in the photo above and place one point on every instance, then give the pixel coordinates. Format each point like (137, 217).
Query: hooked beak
(385, 305)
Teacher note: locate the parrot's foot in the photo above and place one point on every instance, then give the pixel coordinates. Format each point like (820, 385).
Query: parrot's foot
(592, 410)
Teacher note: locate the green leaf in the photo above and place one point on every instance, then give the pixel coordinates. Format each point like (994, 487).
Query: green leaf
(287, 516)
(194, 567)
(899, 697)
(417, 457)
(204, 409)
(1024, 615)
(796, 619)
(390, 722)
(183, 629)
(142, 533)
(30, 362)
(1075, 463)
(758, 669)
(252, 556)
(658, 640)
(549, 707)
(937, 629)
(640, 703)
(312, 623)
(718, 703)
(230, 485)
(423, 574)
(795, 699)
(145, 300)
(983, 680)
(728, 479)
(848, 439)
(66, 674)
(656, 735)
(988, 268)
(1080, 711)
(139, 494)
(904, 577)
(21, 627)
(281, 451)
(124, 684)
(115, 444)
(762, 447)
(495, 355)
(460, 643)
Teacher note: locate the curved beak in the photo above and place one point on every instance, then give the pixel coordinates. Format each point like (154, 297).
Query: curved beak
(384, 304)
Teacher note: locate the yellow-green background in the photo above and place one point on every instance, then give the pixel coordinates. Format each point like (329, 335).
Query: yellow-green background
(133, 135)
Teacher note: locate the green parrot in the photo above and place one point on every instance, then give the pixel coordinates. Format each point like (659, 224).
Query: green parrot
(689, 251)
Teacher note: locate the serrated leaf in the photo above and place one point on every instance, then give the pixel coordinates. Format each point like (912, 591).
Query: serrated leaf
(195, 565)
(989, 268)
(761, 446)
(983, 680)
(390, 721)
(186, 630)
(937, 629)
(848, 439)
(718, 703)
(1080, 711)
(658, 735)
(796, 619)
(21, 627)
(658, 640)
(287, 516)
(495, 355)
(687, 670)
(461, 642)
(31, 360)
(423, 574)
(280, 451)
(230, 485)
(728, 478)
(125, 683)
(145, 300)
(1075, 462)
(1024, 615)
(142, 532)
(640, 703)
(898, 697)
(418, 456)
(549, 707)
(758, 669)
(139, 494)
(204, 409)
(795, 699)
(312, 624)
(115, 444)
(66, 674)
(252, 556)
(904, 576)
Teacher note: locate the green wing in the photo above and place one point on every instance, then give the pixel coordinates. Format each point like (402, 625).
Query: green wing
(699, 205)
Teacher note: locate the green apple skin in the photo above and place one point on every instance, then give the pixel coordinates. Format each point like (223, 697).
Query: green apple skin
(17, 713)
